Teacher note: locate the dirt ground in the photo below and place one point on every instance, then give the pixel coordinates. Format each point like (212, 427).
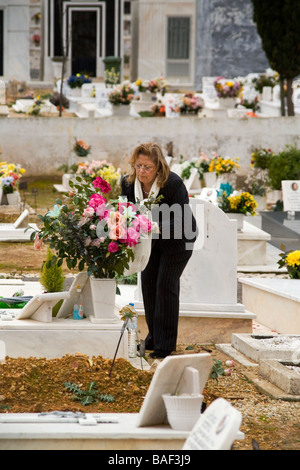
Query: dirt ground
(36, 385)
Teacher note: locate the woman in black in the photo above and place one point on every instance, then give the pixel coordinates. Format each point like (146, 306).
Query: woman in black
(171, 250)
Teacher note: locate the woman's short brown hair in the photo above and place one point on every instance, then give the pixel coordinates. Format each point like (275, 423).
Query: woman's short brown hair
(154, 152)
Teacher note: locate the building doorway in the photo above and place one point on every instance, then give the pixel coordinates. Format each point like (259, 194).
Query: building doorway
(84, 42)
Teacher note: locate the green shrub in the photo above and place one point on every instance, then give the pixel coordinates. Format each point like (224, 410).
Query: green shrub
(52, 278)
(284, 166)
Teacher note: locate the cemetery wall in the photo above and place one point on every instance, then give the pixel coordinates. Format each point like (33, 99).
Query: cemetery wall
(42, 144)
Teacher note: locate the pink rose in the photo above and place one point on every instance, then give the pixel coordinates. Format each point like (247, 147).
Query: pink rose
(113, 247)
(144, 224)
(132, 237)
(116, 232)
(88, 212)
(38, 242)
(96, 200)
(87, 241)
(101, 211)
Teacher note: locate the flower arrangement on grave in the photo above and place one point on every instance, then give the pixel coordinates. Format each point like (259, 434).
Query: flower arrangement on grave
(291, 260)
(36, 38)
(268, 79)
(103, 169)
(158, 109)
(257, 183)
(76, 81)
(260, 158)
(10, 175)
(122, 94)
(191, 103)
(36, 106)
(243, 203)
(111, 77)
(89, 233)
(201, 164)
(37, 18)
(222, 165)
(152, 86)
(81, 149)
(227, 88)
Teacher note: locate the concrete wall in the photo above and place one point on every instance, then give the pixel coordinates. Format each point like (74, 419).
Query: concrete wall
(42, 144)
(227, 42)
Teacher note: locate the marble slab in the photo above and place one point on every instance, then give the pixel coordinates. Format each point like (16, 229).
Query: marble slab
(252, 246)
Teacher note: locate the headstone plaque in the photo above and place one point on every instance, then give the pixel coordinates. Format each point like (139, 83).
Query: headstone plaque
(291, 195)
(209, 195)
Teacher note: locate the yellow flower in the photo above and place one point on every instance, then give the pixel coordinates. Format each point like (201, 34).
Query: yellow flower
(22, 171)
(293, 259)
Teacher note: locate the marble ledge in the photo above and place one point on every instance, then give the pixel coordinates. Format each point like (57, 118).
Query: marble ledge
(287, 288)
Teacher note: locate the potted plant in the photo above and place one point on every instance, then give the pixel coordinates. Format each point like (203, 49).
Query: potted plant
(75, 82)
(291, 260)
(90, 170)
(121, 97)
(201, 164)
(257, 183)
(224, 168)
(227, 91)
(81, 149)
(10, 175)
(91, 234)
(36, 38)
(190, 104)
(236, 206)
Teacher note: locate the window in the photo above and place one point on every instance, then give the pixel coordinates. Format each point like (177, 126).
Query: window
(178, 47)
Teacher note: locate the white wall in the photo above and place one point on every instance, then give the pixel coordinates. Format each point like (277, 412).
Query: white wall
(42, 144)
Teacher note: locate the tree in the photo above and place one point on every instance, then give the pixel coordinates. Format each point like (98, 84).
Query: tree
(278, 26)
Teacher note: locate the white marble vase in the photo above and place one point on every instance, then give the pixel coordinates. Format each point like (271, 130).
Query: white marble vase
(210, 179)
(103, 296)
(121, 110)
(183, 411)
(238, 217)
(147, 96)
(227, 102)
(13, 198)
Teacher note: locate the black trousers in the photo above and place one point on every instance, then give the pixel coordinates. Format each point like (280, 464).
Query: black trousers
(160, 288)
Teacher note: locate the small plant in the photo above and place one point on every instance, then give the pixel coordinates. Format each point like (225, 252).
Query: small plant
(88, 396)
(217, 369)
(52, 277)
(260, 158)
(291, 260)
(243, 203)
(81, 148)
(76, 81)
(284, 166)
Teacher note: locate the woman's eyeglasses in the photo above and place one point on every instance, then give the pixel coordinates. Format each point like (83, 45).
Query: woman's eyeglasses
(147, 168)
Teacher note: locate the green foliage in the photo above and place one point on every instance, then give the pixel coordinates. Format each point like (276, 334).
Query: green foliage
(261, 158)
(88, 396)
(52, 277)
(217, 369)
(278, 26)
(284, 166)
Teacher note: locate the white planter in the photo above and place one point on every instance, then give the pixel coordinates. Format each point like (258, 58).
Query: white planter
(76, 92)
(183, 411)
(121, 110)
(262, 203)
(14, 198)
(103, 296)
(227, 102)
(274, 196)
(147, 96)
(210, 179)
(238, 217)
(227, 178)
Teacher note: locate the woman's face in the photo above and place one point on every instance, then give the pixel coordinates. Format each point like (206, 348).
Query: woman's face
(145, 169)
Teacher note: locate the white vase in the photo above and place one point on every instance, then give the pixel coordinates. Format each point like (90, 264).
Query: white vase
(147, 96)
(261, 203)
(76, 92)
(121, 110)
(103, 296)
(210, 179)
(227, 102)
(13, 198)
(183, 411)
(227, 178)
(238, 217)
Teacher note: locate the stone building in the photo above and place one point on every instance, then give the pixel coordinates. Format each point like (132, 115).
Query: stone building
(183, 40)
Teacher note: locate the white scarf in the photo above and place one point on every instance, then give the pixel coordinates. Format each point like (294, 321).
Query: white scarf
(138, 192)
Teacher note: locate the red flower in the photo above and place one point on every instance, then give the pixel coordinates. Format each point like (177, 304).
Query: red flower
(103, 185)
(113, 247)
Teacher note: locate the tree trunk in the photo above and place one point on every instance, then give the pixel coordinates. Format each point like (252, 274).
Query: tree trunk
(290, 104)
(282, 98)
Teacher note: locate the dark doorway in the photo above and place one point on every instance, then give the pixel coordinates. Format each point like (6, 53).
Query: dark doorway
(1, 43)
(84, 42)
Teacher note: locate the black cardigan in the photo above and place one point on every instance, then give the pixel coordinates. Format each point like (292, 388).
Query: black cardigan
(173, 192)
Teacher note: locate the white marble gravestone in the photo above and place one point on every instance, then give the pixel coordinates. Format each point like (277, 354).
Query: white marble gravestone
(216, 429)
(291, 195)
(192, 184)
(16, 231)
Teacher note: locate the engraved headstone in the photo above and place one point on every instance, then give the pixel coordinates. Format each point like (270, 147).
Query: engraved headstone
(291, 195)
